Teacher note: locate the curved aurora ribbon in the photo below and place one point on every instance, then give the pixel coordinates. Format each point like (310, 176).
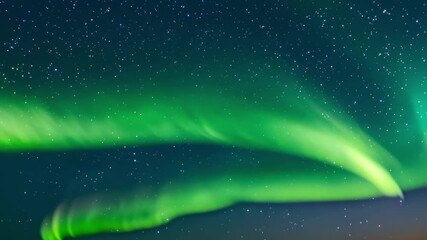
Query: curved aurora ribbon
(107, 214)
(216, 119)
(304, 130)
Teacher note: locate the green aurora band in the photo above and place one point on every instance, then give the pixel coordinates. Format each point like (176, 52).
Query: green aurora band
(302, 128)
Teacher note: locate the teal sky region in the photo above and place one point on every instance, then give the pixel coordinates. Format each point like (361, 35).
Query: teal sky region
(322, 101)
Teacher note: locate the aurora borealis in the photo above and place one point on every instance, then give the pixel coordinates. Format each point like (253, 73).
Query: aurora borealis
(121, 119)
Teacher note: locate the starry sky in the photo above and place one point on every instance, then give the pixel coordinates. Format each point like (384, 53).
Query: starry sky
(216, 119)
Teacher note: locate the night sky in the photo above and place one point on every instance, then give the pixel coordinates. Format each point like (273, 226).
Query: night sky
(213, 119)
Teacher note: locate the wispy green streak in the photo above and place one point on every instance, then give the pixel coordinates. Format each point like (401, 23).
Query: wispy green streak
(290, 126)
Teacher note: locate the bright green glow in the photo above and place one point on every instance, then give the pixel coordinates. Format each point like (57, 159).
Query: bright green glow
(304, 130)
(138, 211)
(209, 120)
